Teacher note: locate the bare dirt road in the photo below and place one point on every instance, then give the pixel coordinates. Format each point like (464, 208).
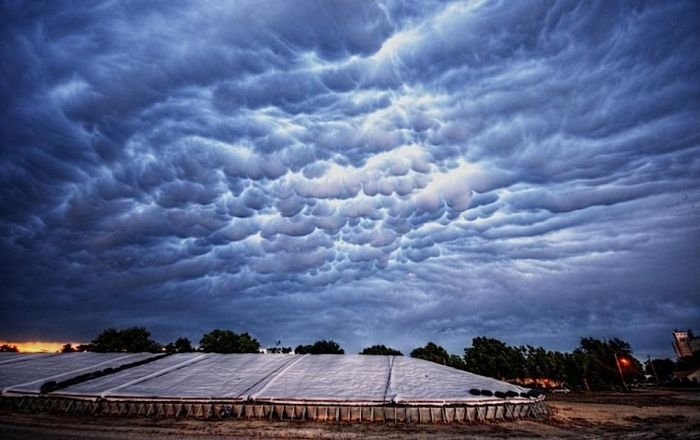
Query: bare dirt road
(644, 414)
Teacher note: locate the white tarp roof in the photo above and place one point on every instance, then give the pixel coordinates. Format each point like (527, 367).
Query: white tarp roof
(188, 375)
(416, 380)
(293, 378)
(27, 376)
(329, 377)
(102, 385)
(10, 357)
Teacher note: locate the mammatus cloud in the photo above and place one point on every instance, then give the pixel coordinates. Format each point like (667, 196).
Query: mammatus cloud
(368, 172)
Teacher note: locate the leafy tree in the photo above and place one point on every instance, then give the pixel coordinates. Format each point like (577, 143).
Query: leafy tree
(456, 361)
(7, 348)
(181, 345)
(431, 352)
(602, 372)
(557, 365)
(381, 350)
(67, 348)
(493, 358)
(226, 341)
(320, 347)
(85, 347)
(536, 361)
(108, 341)
(137, 339)
(576, 366)
(541, 363)
(132, 339)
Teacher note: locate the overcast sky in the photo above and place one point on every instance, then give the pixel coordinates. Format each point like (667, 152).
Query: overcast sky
(394, 172)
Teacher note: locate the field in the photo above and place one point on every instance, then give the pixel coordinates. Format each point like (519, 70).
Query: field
(643, 414)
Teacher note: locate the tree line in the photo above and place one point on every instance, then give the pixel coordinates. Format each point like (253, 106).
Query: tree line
(594, 364)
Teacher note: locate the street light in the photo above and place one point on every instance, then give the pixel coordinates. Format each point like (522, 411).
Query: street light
(625, 362)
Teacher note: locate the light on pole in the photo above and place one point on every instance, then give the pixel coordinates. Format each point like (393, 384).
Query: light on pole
(619, 369)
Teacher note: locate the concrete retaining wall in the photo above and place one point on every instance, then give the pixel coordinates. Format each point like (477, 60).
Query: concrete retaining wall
(317, 413)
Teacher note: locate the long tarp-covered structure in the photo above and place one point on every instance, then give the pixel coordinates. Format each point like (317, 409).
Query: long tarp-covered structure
(317, 387)
(26, 374)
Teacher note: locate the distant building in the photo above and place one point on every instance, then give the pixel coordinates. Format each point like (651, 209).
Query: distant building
(539, 382)
(694, 376)
(685, 343)
(687, 375)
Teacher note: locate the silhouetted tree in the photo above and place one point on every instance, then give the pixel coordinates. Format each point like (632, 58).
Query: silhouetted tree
(85, 347)
(435, 353)
(602, 372)
(226, 341)
(67, 348)
(381, 350)
(320, 347)
(7, 348)
(432, 352)
(456, 361)
(132, 339)
(541, 363)
(493, 358)
(181, 345)
(576, 365)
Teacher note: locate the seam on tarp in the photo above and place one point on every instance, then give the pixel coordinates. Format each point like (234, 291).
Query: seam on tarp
(387, 388)
(272, 377)
(158, 373)
(27, 358)
(55, 376)
(50, 388)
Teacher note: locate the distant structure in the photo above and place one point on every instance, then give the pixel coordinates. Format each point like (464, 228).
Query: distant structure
(685, 343)
(325, 388)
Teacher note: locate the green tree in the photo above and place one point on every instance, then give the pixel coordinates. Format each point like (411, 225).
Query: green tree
(226, 341)
(108, 341)
(432, 352)
(576, 366)
(602, 371)
(320, 347)
(67, 348)
(557, 365)
(493, 358)
(131, 339)
(541, 363)
(138, 339)
(381, 350)
(85, 347)
(181, 345)
(456, 361)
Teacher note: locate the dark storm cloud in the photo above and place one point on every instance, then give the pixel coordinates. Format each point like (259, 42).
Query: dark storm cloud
(389, 172)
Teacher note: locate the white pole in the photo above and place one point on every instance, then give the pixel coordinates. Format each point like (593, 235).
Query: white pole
(617, 362)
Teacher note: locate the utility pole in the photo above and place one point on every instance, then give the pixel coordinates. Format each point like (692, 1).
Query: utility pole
(653, 369)
(619, 370)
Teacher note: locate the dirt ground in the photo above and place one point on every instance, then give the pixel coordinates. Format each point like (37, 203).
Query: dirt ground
(642, 414)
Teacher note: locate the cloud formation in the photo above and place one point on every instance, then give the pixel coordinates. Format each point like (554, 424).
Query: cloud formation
(388, 172)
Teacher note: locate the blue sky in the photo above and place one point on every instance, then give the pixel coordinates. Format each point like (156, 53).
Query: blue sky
(392, 172)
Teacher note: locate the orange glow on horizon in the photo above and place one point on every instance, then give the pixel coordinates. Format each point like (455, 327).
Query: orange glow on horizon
(39, 346)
